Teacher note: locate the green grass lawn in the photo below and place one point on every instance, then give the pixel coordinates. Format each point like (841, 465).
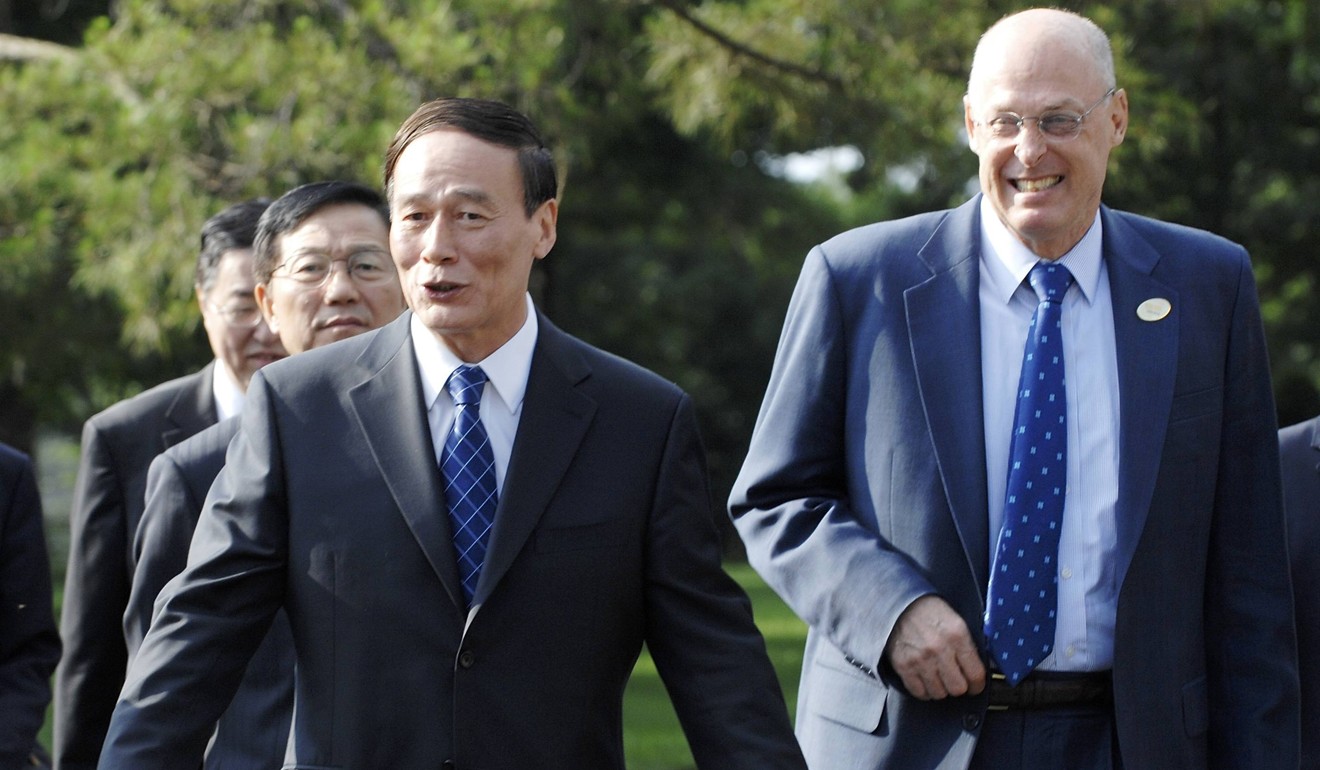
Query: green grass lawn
(652, 738)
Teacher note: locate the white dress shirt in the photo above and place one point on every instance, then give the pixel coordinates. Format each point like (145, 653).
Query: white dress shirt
(225, 389)
(1088, 595)
(506, 371)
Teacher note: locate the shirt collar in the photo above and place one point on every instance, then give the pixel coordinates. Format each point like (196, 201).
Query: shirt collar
(506, 369)
(226, 391)
(1009, 260)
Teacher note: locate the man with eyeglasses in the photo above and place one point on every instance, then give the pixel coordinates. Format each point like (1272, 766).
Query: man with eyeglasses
(324, 273)
(118, 444)
(1002, 567)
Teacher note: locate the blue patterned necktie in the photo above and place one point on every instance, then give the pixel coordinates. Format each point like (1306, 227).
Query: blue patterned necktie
(469, 470)
(1023, 599)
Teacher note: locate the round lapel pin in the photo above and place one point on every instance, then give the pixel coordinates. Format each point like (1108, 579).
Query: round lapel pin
(1154, 309)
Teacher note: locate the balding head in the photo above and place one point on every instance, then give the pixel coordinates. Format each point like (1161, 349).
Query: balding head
(1043, 32)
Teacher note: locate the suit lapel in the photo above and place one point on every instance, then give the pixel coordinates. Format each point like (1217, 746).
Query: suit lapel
(555, 417)
(943, 317)
(389, 409)
(192, 411)
(1147, 364)
(1315, 437)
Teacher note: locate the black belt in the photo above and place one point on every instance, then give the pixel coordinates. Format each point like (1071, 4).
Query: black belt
(1048, 689)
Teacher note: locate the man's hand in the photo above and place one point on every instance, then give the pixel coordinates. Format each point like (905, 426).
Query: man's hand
(932, 651)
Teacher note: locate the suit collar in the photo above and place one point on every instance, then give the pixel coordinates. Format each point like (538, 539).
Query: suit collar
(1147, 354)
(941, 310)
(556, 414)
(943, 318)
(388, 405)
(1315, 435)
(192, 410)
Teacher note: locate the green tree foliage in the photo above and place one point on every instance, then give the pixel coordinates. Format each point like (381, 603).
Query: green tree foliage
(669, 252)
(676, 248)
(1224, 133)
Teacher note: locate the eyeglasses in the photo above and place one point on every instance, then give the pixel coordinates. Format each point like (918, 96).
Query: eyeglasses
(238, 316)
(1056, 126)
(366, 268)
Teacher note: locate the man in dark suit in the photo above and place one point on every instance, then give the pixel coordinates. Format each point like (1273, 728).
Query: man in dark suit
(29, 643)
(1299, 450)
(117, 446)
(472, 519)
(878, 496)
(300, 239)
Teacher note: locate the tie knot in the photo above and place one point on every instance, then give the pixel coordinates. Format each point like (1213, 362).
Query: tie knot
(1050, 281)
(465, 385)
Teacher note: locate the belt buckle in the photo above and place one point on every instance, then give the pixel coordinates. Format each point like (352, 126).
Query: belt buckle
(996, 676)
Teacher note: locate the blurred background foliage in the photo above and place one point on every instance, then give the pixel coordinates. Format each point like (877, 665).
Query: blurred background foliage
(678, 125)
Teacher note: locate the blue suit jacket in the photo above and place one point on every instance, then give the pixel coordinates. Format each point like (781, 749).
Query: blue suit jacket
(330, 506)
(254, 730)
(29, 643)
(1299, 449)
(865, 489)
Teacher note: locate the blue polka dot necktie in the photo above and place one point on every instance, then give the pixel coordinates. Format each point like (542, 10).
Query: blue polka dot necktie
(468, 466)
(1023, 597)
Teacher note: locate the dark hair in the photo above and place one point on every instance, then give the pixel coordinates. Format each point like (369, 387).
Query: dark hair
(290, 209)
(490, 121)
(233, 228)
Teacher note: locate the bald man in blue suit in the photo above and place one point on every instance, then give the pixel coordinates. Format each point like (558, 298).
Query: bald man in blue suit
(875, 486)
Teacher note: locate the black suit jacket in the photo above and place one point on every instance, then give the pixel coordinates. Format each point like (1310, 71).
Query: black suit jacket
(330, 505)
(118, 445)
(29, 643)
(1299, 448)
(255, 728)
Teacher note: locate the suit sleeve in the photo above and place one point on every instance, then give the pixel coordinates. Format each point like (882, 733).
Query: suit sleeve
(700, 630)
(160, 545)
(792, 501)
(213, 615)
(1250, 638)
(29, 643)
(95, 591)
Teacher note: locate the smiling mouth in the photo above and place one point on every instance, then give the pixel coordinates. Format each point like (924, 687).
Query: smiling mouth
(1036, 185)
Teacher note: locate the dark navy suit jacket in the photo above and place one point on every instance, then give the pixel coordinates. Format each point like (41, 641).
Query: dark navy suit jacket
(29, 643)
(1299, 449)
(254, 730)
(865, 488)
(330, 506)
(118, 445)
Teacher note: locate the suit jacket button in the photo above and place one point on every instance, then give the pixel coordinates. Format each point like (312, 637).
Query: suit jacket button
(971, 722)
(466, 659)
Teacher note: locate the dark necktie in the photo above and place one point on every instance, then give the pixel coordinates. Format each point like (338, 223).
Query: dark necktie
(469, 470)
(1023, 598)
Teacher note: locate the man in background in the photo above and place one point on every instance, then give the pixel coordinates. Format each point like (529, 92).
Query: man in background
(117, 446)
(29, 643)
(323, 271)
(1003, 567)
(1299, 450)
